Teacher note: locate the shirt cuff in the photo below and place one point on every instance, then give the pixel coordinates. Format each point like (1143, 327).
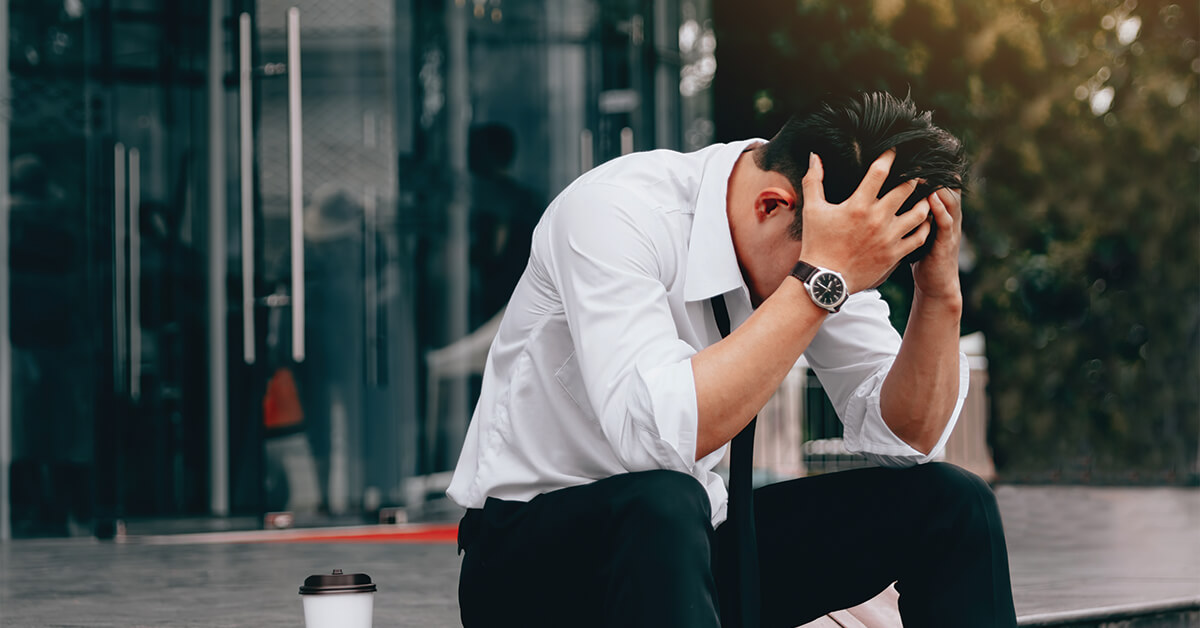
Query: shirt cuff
(872, 436)
(668, 418)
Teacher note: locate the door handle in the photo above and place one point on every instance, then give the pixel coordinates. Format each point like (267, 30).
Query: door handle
(296, 182)
(135, 274)
(127, 271)
(120, 326)
(246, 181)
(371, 285)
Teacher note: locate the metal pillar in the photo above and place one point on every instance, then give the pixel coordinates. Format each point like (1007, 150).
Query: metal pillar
(218, 375)
(458, 121)
(5, 345)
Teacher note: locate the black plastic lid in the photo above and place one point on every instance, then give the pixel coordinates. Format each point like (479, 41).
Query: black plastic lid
(337, 582)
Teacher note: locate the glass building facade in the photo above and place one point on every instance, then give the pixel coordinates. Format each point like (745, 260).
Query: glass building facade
(254, 249)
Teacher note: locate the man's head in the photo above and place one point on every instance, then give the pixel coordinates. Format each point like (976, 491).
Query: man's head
(850, 133)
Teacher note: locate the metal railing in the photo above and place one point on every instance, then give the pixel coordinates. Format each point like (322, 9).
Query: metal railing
(799, 432)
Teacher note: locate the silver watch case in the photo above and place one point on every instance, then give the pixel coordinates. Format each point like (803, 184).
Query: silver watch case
(820, 281)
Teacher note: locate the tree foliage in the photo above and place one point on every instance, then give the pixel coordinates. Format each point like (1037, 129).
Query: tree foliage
(1083, 214)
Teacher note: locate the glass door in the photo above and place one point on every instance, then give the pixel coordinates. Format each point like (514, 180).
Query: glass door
(261, 351)
(108, 253)
(323, 297)
(151, 142)
(257, 247)
(50, 349)
(209, 286)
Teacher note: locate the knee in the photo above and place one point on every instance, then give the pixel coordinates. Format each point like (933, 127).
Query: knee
(963, 493)
(665, 499)
(953, 478)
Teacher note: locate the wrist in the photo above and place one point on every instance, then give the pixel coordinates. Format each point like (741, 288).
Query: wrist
(821, 261)
(826, 287)
(795, 294)
(849, 272)
(947, 301)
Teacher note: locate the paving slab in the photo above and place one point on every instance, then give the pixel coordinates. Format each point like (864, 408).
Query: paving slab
(1073, 548)
(100, 584)
(1070, 549)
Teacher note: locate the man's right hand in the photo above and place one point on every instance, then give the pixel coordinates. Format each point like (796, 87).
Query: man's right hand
(862, 238)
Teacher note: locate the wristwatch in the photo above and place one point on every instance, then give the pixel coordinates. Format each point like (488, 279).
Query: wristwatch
(827, 288)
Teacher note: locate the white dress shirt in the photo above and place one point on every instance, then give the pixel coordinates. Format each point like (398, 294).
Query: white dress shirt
(590, 373)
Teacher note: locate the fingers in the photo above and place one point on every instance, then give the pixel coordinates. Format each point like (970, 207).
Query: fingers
(812, 184)
(952, 200)
(896, 197)
(876, 175)
(941, 212)
(914, 217)
(914, 240)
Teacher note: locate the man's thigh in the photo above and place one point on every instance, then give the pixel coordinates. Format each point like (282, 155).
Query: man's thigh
(833, 541)
(552, 559)
(528, 560)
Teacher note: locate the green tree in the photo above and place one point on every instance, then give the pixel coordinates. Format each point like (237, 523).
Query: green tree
(1083, 214)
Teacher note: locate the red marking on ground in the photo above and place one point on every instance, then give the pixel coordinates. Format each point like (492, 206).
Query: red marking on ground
(431, 534)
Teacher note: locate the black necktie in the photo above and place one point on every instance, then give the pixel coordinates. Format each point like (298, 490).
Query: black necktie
(738, 560)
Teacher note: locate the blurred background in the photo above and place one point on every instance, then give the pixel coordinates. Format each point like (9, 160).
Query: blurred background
(255, 250)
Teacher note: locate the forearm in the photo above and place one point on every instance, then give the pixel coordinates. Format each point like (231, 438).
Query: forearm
(921, 389)
(735, 377)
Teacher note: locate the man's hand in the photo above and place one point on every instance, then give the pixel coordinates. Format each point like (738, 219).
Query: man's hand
(863, 238)
(936, 276)
(922, 387)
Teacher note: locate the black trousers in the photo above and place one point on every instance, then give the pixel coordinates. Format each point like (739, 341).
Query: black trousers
(636, 550)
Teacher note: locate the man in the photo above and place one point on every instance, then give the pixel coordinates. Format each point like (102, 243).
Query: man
(610, 395)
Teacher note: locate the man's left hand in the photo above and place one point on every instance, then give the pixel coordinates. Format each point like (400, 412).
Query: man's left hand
(936, 276)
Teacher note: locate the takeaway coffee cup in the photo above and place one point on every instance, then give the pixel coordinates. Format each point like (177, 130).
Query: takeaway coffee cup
(338, 600)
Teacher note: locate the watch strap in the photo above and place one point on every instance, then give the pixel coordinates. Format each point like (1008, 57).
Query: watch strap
(804, 271)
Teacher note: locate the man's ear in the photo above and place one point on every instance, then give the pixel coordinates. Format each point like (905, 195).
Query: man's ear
(772, 201)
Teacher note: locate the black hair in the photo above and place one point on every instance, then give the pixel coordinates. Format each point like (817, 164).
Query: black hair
(849, 133)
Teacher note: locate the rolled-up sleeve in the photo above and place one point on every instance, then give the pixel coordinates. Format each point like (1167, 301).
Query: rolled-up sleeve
(606, 259)
(852, 355)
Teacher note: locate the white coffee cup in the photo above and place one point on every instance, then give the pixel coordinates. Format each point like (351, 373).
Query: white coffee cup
(338, 600)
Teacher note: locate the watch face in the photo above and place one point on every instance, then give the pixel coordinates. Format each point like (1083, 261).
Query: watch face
(828, 289)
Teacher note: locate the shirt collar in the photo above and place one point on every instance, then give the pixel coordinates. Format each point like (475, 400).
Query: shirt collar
(712, 266)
